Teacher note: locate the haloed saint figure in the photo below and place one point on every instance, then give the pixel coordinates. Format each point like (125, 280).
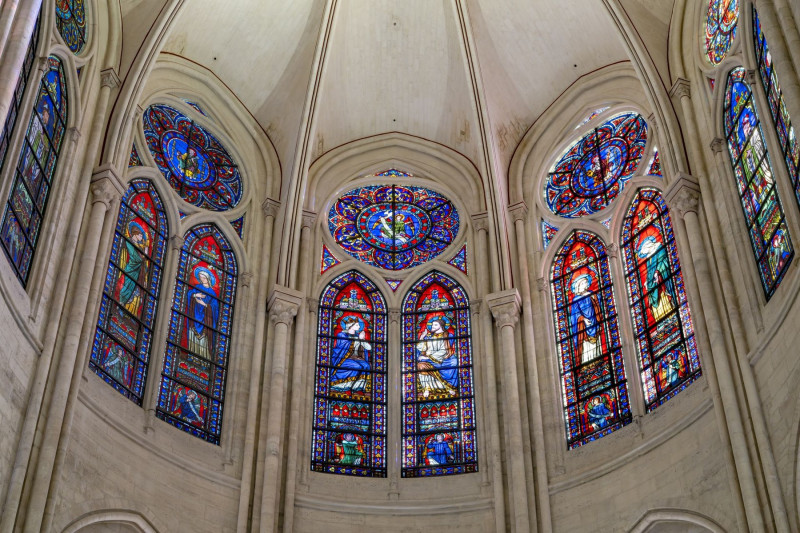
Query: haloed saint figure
(133, 264)
(437, 363)
(350, 356)
(203, 313)
(661, 293)
(584, 317)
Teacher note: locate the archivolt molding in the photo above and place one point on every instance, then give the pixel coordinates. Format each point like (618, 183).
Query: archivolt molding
(113, 511)
(654, 517)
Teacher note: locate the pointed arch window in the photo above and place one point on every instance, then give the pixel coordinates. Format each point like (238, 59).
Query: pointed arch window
(763, 211)
(198, 343)
(662, 322)
(349, 435)
(438, 397)
(123, 339)
(38, 158)
(594, 384)
(780, 116)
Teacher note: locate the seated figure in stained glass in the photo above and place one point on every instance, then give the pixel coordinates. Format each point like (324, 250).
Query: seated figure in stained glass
(439, 449)
(350, 356)
(599, 411)
(188, 406)
(436, 358)
(349, 449)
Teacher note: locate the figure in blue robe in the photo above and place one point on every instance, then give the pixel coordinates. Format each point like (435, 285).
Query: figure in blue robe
(439, 451)
(350, 357)
(203, 309)
(436, 360)
(599, 413)
(584, 314)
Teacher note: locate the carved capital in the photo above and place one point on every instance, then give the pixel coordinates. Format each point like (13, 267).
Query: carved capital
(717, 145)
(109, 78)
(246, 279)
(394, 315)
(683, 194)
(518, 211)
(74, 135)
(308, 219)
(283, 305)
(750, 77)
(481, 221)
(505, 307)
(270, 207)
(313, 305)
(176, 242)
(104, 192)
(612, 250)
(541, 284)
(681, 89)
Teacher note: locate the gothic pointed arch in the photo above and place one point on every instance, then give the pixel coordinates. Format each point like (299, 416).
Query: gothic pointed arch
(194, 374)
(350, 389)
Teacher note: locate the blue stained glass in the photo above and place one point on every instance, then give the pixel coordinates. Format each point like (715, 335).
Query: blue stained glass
(238, 226)
(594, 385)
(668, 359)
(394, 284)
(780, 116)
(654, 168)
(548, 233)
(349, 434)
(438, 404)
(392, 226)
(194, 162)
(761, 204)
(594, 170)
(25, 209)
(134, 160)
(460, 260)
(721, 23)
(196, 107)
(327, 261)
(198, 341)
(121, 347)
(71, 23)
(394, 173)
(594, 114)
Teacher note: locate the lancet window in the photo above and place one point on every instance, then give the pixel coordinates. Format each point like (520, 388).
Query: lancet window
(721, 23)
(71, 23)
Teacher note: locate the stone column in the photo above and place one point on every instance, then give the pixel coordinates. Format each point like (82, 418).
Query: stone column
(684, 195)
(787, 22)
(106, 190)
(283, 305)
(505, 307)
(519, 214)
(17, 21)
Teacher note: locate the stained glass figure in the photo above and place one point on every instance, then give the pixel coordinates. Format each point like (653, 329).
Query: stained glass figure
(198, 342)
(662, 322)
(19, 92)
(548, 233)
(36, 166)
(438, 398)
(394, 283)
(654, 169)
(134, 160)
(721, 23)
(194, 162)
(393, 173)
(349, 435)
(124, 335)
(238, 226)
(594, 170)
(780, 116)
(393, 226)
(763, 211)
(196, 107)
(594, 385)
(71, 23)
(460, 260)
(328, 260)
(593, 115)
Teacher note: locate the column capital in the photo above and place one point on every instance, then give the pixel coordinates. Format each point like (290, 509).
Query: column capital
(481, 221)
(270, 207)
(681, 88)
(717, 145)
(308, 219)
(313, 304)
(612, 250)
(541, 284)
(106, 185)
(109, 78)
(751, 77)
(176, 242)
(394, 315)
(518, 211)
(283, 304)
(73, 134)
(505, 307)
(246, 279)
(683, 195)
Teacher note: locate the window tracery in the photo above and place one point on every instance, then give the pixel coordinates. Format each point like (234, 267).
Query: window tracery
(722, 20)
(71, 23)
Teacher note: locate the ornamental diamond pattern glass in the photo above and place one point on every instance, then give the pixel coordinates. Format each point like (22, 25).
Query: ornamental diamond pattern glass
(594, 385)
(780, 116)
(128, 309)
(71, 23)
(392, 226)
(662, 323)
(722, 20)
(36, 167)
(192, 160)
(199, 337)
(349, 433)
(761, 204)
(594, 170)
(438, 402)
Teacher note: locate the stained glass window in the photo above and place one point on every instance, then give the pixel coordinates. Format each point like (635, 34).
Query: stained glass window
(238, 226)
(654, 168)
(594, 170)
(769, 235)
(350, 388)
(460, 260)
(594, 387)
(438, 398)
(19, 92)
(783, 124)
(327, 261)
(134, 160)
(548, 233)
(198, 342)
(122, 341)
(662, 323)
(194, 162)
(393, 226)
(36, 166)
(71, 23)
(721, 23)
(594, 114)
